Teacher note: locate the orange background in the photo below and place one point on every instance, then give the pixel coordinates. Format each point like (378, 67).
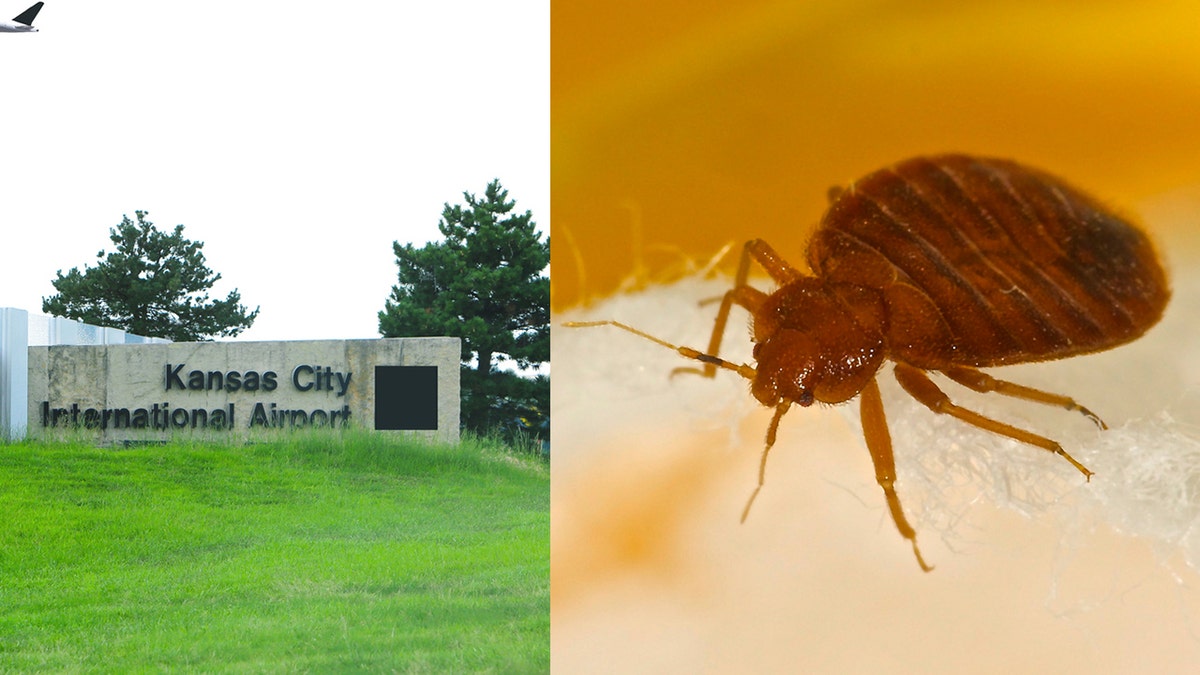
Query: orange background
(680, 127)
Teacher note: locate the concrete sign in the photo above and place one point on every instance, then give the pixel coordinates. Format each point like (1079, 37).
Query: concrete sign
(152, 391)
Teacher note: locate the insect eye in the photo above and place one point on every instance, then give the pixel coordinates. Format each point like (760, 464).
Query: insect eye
(757, 349)
(805, 399)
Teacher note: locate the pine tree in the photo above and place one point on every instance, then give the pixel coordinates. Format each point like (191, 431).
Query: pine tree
(154, 284)
(484, 283)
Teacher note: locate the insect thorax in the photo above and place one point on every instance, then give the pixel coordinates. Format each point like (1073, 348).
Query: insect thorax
(815, 341)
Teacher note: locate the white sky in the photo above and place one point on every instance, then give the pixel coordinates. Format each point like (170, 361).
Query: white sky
(296, 139)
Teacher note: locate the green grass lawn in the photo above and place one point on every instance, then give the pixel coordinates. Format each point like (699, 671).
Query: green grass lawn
(318, 553)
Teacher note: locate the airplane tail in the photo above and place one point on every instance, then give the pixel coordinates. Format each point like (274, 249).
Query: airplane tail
(28, 15)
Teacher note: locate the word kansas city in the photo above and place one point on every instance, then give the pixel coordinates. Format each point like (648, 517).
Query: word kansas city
(304, 378)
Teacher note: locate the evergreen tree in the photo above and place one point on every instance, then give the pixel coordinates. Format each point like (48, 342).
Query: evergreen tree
(484, 284)
(154, 284)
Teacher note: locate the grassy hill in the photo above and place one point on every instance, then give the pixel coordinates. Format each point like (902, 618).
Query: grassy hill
(316, 552)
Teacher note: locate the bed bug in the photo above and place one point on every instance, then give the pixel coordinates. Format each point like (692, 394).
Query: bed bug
(945, 264)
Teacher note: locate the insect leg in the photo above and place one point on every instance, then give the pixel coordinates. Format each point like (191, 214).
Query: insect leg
(920, 387)
(982, 382)
(879, 442)
(744, 295)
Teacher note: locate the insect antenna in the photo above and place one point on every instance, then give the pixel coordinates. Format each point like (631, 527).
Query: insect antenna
(742, 369)
(762, 463)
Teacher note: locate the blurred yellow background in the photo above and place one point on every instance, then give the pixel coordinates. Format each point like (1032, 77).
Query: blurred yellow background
(680, 127)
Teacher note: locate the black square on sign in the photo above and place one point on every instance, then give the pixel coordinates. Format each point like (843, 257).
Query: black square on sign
(406, 398)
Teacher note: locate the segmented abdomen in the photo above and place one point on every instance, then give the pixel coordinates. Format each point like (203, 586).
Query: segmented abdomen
(984, 262)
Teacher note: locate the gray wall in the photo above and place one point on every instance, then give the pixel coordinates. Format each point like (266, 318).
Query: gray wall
(130, 392)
